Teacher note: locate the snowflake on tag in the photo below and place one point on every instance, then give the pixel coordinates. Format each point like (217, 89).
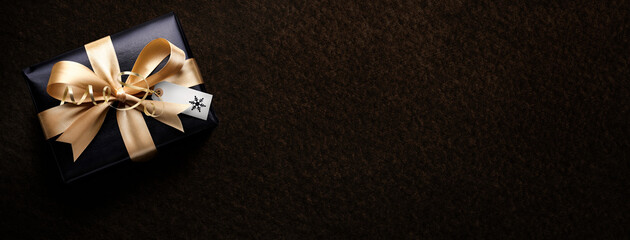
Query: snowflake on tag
(197, 103)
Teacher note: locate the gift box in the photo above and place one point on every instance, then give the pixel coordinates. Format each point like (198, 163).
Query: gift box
(108, 148)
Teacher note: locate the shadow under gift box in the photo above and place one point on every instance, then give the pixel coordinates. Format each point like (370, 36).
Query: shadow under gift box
(107, 148)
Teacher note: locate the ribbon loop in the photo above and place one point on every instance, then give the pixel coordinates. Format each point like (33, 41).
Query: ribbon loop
(66, 74)
(150, 57)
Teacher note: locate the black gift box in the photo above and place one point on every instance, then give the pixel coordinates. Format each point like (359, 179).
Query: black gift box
(107, 148)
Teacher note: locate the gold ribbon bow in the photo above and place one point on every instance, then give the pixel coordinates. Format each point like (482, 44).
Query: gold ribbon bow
(79, 122)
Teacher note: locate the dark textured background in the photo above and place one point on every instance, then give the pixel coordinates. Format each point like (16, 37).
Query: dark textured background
(349, 119)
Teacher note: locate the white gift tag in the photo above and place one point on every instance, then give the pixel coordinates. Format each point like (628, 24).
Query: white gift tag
(199, 101)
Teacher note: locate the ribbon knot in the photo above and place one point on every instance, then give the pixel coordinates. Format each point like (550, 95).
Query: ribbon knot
(78, 123)
(121, 95)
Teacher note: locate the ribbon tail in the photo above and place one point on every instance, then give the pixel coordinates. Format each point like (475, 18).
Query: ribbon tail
(83, 129)
(56, 120)
(166, 112)
(135, 135)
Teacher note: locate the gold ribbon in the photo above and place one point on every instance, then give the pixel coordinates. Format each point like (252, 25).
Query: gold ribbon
(78, 123)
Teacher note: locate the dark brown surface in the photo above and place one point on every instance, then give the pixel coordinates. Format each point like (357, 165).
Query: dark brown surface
(385, 120)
